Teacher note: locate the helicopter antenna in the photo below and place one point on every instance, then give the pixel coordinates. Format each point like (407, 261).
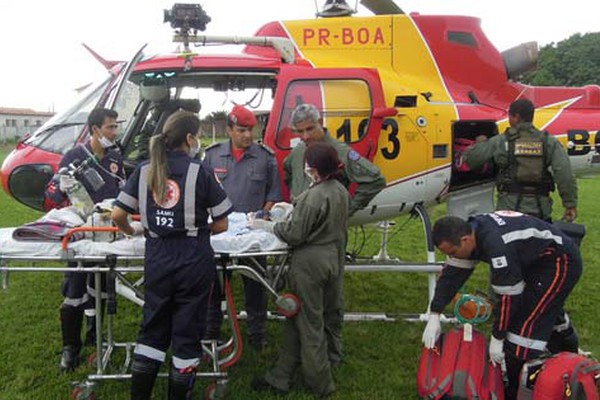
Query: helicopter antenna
(108, 64)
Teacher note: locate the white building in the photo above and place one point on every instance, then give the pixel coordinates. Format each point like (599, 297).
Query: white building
(17, 122)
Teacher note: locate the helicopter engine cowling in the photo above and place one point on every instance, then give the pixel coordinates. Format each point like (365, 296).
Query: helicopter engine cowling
(520, 59)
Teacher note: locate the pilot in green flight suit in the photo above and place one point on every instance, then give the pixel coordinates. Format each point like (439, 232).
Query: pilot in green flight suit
(316, 231)
(529, 164)
(306, 121)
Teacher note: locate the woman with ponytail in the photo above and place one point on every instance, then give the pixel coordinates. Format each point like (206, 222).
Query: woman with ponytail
(174, 195)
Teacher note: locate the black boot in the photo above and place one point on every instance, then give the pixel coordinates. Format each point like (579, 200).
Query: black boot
(71, 319)
(70, 359)
(181, 383)
(143, 376)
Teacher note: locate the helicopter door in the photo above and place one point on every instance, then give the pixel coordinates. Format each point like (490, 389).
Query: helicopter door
(350, 100)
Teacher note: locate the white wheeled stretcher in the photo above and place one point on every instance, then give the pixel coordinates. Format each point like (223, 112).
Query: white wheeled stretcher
(122, 257)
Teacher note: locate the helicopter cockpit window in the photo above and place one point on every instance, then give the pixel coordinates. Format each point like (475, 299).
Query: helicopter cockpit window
(345, 106)
(464, 38)
(211, 94)
(62, 131)
(126, 105)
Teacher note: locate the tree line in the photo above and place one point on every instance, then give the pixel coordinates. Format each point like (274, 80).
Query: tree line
(571, 62)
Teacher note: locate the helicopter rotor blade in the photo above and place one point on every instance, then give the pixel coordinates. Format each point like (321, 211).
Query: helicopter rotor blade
(382, 7)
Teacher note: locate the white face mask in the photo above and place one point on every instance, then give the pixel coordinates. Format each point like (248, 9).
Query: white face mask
(311, 173)
(105, 143)
(194, 151)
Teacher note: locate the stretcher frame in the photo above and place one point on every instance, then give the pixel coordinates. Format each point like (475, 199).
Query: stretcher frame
(219, 356)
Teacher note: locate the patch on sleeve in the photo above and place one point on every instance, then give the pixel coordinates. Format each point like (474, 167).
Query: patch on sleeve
(499, 262)
(353, 155)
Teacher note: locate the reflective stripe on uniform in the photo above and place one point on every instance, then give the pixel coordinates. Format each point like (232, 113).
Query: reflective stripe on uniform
(531, 233)
(564, 326)
(143, 198)
(181, 363)
(143, 194)
(460, 263)
(529, 343)
(189, 200)
(76, 302)
(128, 200)
(220, 208)
(509, 290)
(150, 352)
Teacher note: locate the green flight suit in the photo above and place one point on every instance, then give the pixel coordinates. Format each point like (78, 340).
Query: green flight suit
(317, 232)
(367, 176)
(495, 151)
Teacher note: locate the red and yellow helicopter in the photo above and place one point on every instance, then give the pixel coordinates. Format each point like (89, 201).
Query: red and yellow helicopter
(403, 90)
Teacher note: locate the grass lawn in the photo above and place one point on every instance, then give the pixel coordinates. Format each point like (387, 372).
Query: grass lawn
(381, 357)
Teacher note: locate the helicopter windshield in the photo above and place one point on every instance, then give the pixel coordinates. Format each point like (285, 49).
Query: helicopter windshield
(63, 130)
(209, 93)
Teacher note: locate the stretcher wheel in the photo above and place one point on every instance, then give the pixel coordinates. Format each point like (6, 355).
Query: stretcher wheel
(216, 391)
(288, 304)
(80, 393)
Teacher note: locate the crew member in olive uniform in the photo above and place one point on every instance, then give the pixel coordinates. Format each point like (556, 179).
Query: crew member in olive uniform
(306, 121)
(250, 177)
(529, 163)
(317, 232)
(175, 195)
(99, 153)
(533, 268)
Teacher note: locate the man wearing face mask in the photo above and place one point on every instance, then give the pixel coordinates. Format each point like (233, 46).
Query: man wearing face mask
(101, 154)
(307, 123)
(249, 175)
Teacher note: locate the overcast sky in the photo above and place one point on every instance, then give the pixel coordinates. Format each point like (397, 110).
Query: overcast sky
(42, 60)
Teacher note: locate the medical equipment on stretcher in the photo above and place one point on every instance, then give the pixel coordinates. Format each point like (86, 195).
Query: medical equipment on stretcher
(117, 260)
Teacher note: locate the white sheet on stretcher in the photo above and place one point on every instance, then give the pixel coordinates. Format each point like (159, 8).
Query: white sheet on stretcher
(237, 239)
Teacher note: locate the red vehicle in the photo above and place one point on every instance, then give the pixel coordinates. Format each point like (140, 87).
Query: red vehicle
(403, 90)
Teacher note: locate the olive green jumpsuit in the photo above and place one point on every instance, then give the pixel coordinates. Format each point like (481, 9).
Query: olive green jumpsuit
(316, 230)
(368, 178)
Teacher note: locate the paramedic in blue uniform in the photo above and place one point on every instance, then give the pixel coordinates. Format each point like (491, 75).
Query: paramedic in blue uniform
(101, 154)
(174, 195)
(248, 172)
(533, 268)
